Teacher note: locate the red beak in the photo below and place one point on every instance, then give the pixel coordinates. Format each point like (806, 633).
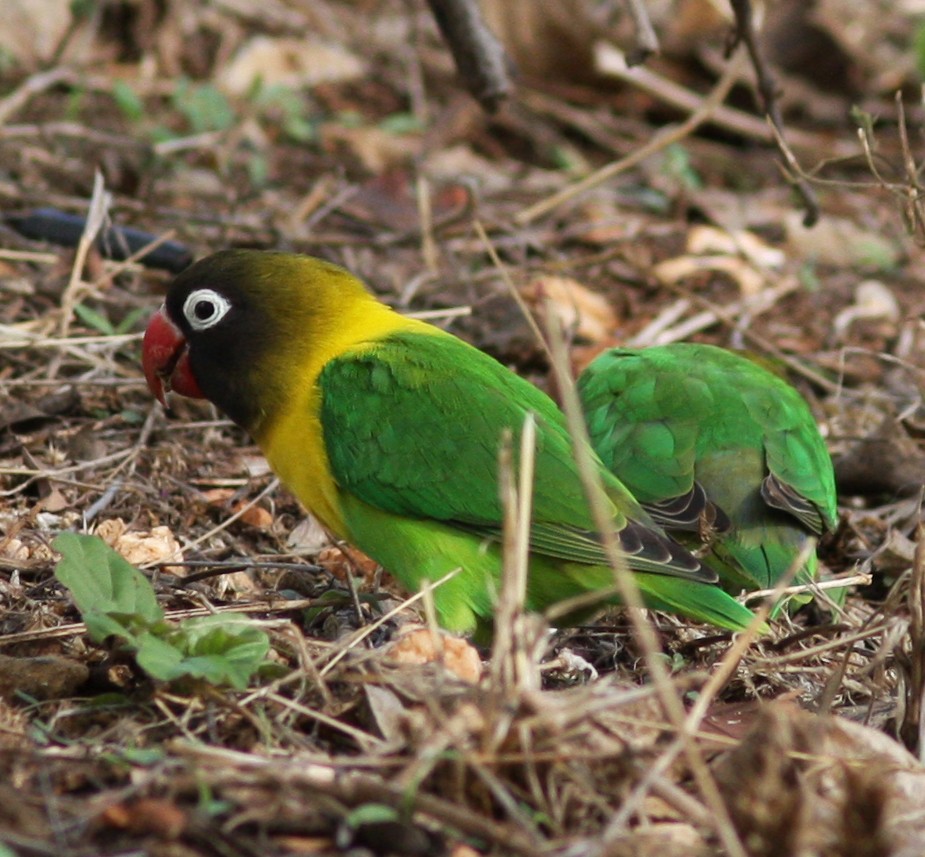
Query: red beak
(165, 360)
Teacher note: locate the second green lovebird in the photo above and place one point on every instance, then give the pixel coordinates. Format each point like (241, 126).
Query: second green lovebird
(719, 450)
(388, 430)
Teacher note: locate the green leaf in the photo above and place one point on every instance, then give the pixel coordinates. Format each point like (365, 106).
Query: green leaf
(159, 658)
(103, 584)
(371, 813)
(103, 625)
(204, 106)
(677, 164)
(144, 757)
(918, 48)
(128, 322)
(128, 102)
(92, 318)
(224, 648)
(401, 123)
(116, 600)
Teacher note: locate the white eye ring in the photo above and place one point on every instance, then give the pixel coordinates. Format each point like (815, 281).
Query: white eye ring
(204, 308)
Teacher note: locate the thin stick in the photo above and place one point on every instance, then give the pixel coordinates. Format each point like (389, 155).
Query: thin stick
(660, 141)
(646, 39)
(34, 85)
(767, 92)
(479, 56)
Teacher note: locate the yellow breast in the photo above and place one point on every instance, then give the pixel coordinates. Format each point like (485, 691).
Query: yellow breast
(293, 441)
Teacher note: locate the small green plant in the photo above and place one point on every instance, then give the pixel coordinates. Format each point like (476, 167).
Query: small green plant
(204, 107)
(128, 101)
(103, 325)
(402, 123)
(677, 164)
(117, 600)
(288, 108)
(918, 48)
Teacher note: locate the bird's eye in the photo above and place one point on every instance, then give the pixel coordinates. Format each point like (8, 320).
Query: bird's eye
(204, 308)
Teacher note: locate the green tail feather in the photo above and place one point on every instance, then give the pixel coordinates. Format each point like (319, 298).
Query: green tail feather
(694, 600)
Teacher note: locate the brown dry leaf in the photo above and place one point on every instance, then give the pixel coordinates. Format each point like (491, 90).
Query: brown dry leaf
(308, 536)
(801, 783)
(341, 560)
(289, 63)
(420, 647)
(839, 242)
(739, 254)
(147, 815)
(602, 222)
(32, 29)
(459, 162)
(587, 314)
(547, 40)
(157, 545)
(54, 501)
(303, 845)
(375, 148)
(255, 516)
(674, 270)
(872, 300)
(662, 840)
(702, 240)
(462, 850)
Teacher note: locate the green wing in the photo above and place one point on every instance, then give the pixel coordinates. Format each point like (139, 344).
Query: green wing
(680, 421)
(413, 424)
(646, 425)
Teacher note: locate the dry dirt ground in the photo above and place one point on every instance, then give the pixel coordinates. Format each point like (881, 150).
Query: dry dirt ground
(341, 129)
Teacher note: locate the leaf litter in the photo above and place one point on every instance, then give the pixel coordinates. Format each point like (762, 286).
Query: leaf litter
(367, 741)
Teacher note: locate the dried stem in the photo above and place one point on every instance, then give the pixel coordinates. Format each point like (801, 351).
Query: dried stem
(767, 91)
(479, 56)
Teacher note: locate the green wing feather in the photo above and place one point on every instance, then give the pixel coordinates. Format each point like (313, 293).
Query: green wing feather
(670, 419)
(412, 426)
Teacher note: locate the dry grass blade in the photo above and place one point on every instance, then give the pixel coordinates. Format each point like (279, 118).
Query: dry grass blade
(912, 726)
(517, 641)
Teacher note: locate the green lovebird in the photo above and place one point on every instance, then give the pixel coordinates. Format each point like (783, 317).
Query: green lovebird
(717, 447)
(388, 430)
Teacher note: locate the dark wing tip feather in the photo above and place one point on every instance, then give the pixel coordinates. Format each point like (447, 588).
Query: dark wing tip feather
(780, 495)
(692, 511)
(650, 551)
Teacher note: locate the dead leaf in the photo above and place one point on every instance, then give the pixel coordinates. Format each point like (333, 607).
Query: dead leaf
(674, 839)
(702, 240)
(375, 148)
(139, 548)
(601, 221)
(254, 516)
(872, 300)
(32, 29)
(749, 280)
(840, 242)
(308, 536)
(147, 816)
(587, 314)
(423, 647)
(289, 63)
(802, 783)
